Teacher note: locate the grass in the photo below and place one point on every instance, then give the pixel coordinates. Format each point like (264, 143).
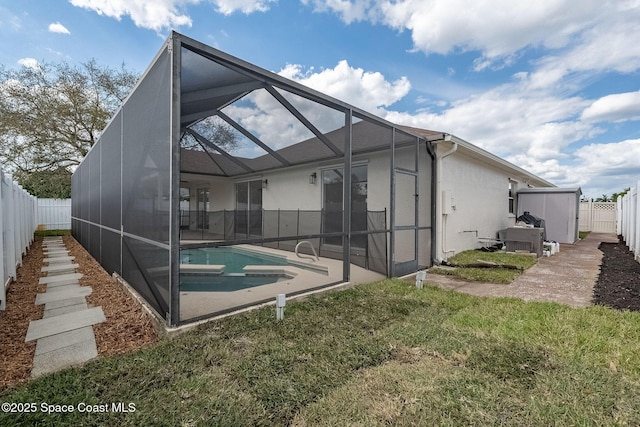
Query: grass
(378, 354)
(510, 266)
(583, 234)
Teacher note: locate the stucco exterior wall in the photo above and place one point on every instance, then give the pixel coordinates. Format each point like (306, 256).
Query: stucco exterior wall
(289, 189)
(474, 203)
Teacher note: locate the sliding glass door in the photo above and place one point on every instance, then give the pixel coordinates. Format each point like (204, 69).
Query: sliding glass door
(332, 203)
(249, 208)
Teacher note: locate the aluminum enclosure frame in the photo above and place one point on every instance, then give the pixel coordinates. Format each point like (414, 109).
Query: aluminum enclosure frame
(130, 220)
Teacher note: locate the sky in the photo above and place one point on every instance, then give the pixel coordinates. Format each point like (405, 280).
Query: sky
(552, 86)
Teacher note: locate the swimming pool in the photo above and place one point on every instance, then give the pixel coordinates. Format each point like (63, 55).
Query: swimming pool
(234, 259)
(232, 277)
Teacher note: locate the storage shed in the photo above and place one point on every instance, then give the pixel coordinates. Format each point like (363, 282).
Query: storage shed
(559, 207)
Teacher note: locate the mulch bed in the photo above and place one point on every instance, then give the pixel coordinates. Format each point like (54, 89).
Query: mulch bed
(128, 326)
(619, 280)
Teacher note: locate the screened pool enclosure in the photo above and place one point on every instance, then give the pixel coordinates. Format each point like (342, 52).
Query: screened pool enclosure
(218, 185)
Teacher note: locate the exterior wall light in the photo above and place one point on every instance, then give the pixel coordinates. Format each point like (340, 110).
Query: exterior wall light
(312, 178)
(264, 183)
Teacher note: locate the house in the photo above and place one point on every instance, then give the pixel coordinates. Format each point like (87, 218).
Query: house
(219, 185)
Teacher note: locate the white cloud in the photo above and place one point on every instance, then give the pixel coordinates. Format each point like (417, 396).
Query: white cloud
(29, 63)
(609, 45)
(364, 89)
(498, 28)
(507, 120)
(618, 107)
(608, 167)
(227, 7)
(57, 27)
(161, 14)
(614, 158)
(349, 10)
(9, 20)
(597, 35)
(154, 15)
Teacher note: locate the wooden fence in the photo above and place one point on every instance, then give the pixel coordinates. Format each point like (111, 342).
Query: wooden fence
(18, 221)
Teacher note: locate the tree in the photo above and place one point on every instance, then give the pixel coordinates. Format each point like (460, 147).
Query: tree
(615, 196)
(46, 183)
(51, 115)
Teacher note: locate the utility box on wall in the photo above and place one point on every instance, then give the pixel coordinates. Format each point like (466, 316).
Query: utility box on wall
(559, 207)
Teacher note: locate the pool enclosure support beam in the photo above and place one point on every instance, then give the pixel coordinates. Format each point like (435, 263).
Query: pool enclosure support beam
(346, 193)
(237, 126)
(173, 317)
(202, 140)
(298, 115)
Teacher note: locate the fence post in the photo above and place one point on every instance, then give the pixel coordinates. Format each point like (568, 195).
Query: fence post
(636, 221)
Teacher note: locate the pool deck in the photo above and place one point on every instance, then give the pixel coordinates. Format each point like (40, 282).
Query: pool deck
(198, 304)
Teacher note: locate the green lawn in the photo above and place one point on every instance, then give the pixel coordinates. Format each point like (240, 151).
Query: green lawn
(508, 266)
(378, 354)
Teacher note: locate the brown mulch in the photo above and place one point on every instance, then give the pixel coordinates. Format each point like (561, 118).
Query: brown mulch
(128, 326)
(17, 356)
(619, 280)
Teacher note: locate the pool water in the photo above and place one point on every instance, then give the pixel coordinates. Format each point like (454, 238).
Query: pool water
(234, 260)
(223, 283)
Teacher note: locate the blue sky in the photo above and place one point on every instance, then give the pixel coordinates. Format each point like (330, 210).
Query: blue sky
(552, 86)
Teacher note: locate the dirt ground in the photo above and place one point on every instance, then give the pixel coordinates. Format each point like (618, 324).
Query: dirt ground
(127, 328)
(618, 284)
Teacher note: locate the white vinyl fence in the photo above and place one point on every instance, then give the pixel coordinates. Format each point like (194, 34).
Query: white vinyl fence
(629, 219)
(54, 214)
(599, 217)
(18, 219)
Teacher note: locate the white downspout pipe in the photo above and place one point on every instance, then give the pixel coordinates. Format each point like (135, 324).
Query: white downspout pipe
(441, 216)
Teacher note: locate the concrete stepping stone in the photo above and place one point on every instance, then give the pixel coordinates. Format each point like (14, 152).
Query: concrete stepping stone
(59, 267)
(64, 335)
(75, 354)
(61, 288)
(63, 303)
(55, 248)
(56, 260)
(60, 278)
(56, 285)
(64, 323)
(61, 272)
(64, 339)
(80, 291)
(53, 312)
(55, 251)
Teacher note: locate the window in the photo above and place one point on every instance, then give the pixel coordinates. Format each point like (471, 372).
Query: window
(332, 195)
(513, 185)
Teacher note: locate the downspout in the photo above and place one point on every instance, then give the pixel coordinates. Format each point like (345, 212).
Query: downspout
(442, 216)
(434, 205)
